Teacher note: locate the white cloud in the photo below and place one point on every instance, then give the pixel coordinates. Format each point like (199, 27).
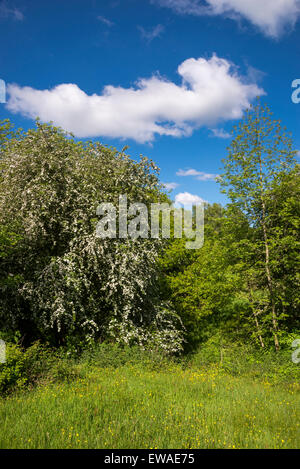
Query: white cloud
(210, 91)
(271, 16)
(7, 11)
(187, 199)
(151, 34)
(220, 133)
(170, 185)
(105, 21)
(298, 154)
(200, 175)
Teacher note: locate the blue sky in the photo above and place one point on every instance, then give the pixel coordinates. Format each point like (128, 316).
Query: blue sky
(169, 78)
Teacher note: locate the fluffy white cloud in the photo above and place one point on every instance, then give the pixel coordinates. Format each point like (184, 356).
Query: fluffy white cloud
(187, 199)
(170, 185)
(271, 16)
(200, 175)
(210, 90)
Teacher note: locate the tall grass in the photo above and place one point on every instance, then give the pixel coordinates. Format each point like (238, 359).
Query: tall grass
(134, 405)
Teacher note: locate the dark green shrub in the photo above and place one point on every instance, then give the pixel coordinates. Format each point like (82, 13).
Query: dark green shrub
(21, 367)
(26, 367)
(113, 355)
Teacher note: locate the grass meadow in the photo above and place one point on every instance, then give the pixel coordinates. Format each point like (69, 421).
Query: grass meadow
(130, 406)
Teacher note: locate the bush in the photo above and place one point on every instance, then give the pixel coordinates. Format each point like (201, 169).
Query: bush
(21, 367)
(40, 365)
(107, 355)
(24, 368)
(238, 358)
(66, 281)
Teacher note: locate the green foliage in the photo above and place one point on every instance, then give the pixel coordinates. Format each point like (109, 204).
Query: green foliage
(36, 364)
(260, 156)
(68, 282)
(118, 308)
(40, 365)
(21, 367)
(109, 355)
(283, 204)
(201, 285)
(62, 285)
(121, 400)
(239, 358)
(244, 281)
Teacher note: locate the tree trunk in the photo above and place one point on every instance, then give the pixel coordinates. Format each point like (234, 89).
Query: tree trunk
(267, 254)
(255, 317)
(267, 263)
(269, 280)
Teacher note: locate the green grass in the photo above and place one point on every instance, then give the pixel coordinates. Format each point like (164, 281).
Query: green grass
(134, 407)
